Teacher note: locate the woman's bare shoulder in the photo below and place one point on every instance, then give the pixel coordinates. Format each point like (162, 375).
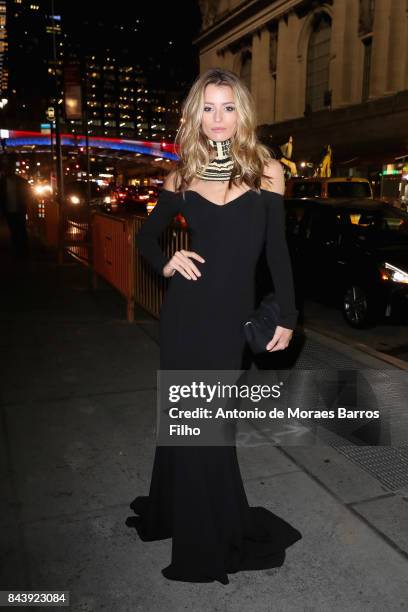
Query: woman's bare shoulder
(273, 179)
(171, 181)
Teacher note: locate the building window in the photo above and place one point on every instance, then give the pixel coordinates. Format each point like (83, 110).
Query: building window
(246, 68)
(368, 44)
(318, 61)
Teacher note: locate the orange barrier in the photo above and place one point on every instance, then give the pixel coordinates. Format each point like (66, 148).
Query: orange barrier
(51, 217)
(107, 243)
(113, 255)
(117, 260)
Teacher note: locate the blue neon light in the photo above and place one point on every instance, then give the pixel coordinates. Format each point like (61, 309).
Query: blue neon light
(132, 147)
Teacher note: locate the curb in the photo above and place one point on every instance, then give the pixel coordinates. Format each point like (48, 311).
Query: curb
(359, 346)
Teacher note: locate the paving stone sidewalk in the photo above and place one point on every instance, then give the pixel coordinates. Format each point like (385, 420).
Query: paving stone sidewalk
(78, 393)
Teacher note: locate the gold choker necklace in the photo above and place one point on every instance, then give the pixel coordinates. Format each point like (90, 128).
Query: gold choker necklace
(219, 168)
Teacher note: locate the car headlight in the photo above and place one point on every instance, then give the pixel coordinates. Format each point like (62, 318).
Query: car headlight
(74, 199)
(107, 200)
(41, 189)
(392, 273)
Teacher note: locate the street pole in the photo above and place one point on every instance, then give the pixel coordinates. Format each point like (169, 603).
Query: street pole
(86, 132)
(52, 151)
(85, 124)
(88, 166)
(59, 169)
(60, 173)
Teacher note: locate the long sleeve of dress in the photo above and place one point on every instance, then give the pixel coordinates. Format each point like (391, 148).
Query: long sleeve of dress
(279, 263)
(166, 208)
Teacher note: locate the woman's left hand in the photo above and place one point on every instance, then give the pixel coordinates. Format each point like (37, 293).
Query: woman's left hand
(280, 340)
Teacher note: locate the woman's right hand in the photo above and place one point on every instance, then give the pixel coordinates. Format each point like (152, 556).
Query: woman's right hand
(181, 262)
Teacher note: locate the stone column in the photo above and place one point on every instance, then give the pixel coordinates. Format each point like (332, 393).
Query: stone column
(222, 59)
(295, 101)
(228, 60)
(351, 53)
(262, 82)
(288, 97)
(209, 59)
(281, 70)
(406, 51)
(397, 46)
(345, 54)
(357, 56)
(337, 50)
(379, 59)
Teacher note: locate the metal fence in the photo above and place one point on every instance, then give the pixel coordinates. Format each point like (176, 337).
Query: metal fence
(107, 243)
(67, 229)
(76, 239)
(149, 286)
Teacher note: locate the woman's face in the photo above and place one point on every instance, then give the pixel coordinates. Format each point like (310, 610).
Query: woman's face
(219, 119)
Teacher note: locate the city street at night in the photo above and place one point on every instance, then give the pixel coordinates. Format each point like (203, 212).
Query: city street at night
(204, 306)
(388, 338)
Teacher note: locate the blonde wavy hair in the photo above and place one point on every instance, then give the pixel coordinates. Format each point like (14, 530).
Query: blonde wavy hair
(248, 154)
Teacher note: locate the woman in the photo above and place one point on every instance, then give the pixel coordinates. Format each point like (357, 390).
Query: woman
(230, 192)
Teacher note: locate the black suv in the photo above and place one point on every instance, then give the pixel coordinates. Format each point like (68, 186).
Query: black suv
(353, 253)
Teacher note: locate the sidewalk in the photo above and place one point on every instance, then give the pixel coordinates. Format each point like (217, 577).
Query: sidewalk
(77, 445)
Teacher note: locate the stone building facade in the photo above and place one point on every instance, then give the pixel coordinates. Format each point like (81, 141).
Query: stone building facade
(325, 72)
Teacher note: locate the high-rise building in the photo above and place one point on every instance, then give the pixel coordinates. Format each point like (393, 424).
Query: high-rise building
(3, 51)
(163, 112)
(120, 102)
(116, 97)
(48, 41)
(34, 60)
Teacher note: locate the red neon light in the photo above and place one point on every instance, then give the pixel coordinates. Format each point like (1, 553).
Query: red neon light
(152, 145)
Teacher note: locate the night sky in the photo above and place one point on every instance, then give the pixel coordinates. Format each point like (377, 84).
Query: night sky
(157, 35)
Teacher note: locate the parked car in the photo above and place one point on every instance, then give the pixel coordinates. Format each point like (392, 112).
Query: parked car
(333, 187)
(136, 199)
(353, 253)
(121, 193)
(147, 192)
(149, 196)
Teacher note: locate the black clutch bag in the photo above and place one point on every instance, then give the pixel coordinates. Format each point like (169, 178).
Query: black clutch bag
(261, 325)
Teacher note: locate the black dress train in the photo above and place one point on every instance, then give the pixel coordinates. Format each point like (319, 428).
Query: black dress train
(196, 493)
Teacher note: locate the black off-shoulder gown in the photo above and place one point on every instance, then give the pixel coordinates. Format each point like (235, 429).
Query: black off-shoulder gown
(196, 493)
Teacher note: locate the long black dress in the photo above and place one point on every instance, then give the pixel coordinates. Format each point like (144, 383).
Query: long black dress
(196, 493)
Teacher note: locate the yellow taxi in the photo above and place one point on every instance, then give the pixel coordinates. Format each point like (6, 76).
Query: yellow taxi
(333, 187)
